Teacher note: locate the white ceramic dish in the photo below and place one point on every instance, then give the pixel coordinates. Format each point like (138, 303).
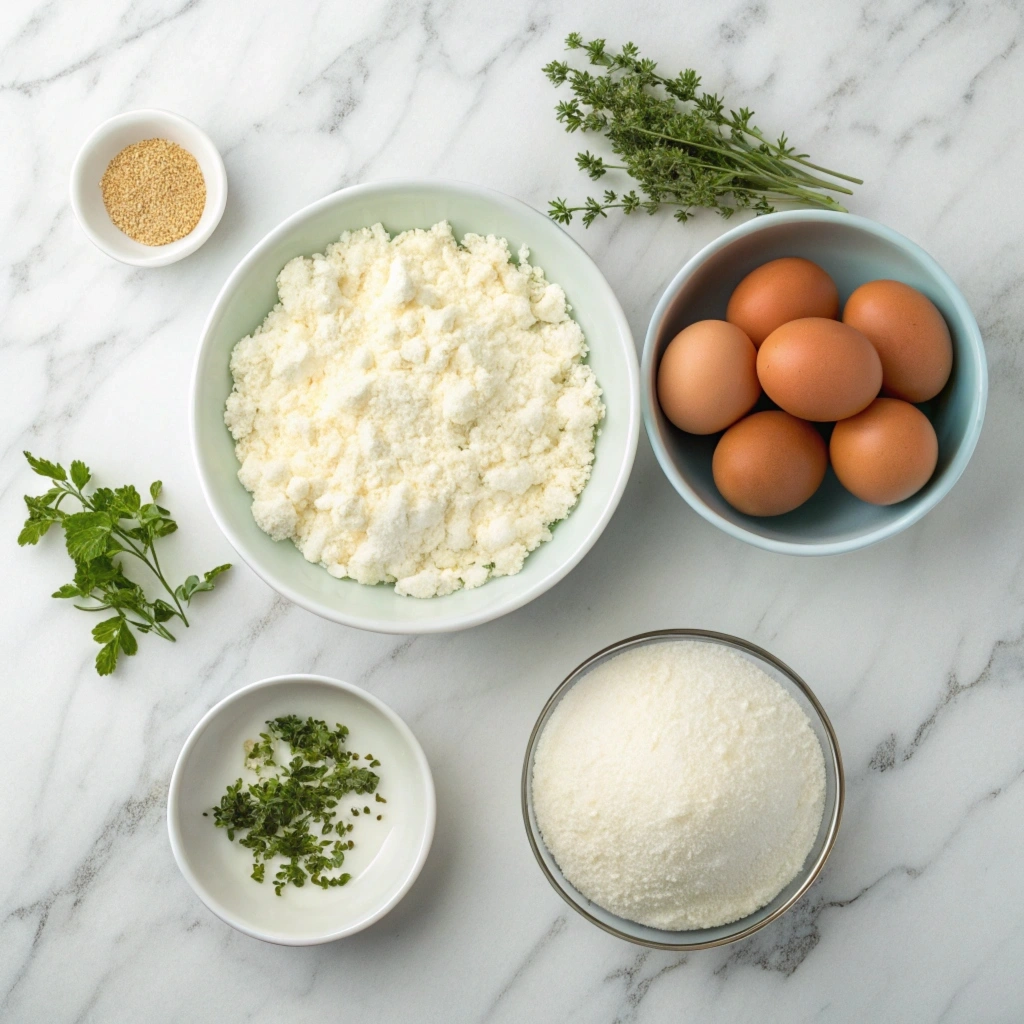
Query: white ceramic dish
(388, 855)
(104, 144)
(250, 293)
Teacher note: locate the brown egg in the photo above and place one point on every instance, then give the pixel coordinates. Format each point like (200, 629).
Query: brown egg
(886, 453)
(780, 291)
(769, 463)
(707, 378)
(910, 335)
(819, 369)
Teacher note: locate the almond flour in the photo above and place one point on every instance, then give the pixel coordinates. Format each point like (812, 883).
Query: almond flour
(678, 785)
(154, 191)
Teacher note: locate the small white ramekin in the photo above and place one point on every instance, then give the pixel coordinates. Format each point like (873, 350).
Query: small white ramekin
(219, 870)
(104, 144)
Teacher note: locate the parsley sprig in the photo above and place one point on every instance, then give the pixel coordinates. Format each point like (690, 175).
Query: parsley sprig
(277, 813)
(110, 524)
(679, 144)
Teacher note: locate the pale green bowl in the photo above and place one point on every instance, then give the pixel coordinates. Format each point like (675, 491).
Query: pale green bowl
(250, 293)
(853, 250)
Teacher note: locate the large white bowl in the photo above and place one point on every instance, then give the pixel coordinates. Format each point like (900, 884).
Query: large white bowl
(250, 293)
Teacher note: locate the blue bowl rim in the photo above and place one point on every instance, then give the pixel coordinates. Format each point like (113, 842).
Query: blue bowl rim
(917, 509)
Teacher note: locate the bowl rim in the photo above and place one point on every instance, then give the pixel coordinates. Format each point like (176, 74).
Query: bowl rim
(451, 622)
(174, 797)
(641, 639)
(216, 190)
(918, 509)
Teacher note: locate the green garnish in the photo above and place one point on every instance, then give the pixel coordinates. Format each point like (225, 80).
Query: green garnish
(109, 524)
(276, 813)
(678, 144)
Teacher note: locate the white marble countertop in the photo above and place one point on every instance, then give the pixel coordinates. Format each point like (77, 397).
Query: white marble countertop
(916, 646)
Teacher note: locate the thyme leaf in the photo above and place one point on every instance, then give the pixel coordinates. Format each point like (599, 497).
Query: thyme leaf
(680, 145)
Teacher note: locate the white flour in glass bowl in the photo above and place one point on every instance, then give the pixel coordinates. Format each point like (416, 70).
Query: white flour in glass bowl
(679, 786)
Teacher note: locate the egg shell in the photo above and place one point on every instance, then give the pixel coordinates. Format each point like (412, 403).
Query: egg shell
(819, 369)
(769, 463)
(787, 289)
(885, 453)
(909, 334)
(707, 378)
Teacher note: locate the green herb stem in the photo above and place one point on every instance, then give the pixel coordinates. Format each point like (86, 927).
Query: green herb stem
(111, 523)
(679, 145)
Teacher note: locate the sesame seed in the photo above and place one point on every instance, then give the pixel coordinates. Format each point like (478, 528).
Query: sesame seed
(154, 191)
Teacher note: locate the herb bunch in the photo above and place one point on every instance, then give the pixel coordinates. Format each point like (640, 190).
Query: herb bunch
(277, 813)
(679, 144)
(110, 524)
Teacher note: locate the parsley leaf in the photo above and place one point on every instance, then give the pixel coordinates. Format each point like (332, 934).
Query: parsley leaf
(44, 468)
(111, 524)
(86, 533)
(276, 813)
(80, 474)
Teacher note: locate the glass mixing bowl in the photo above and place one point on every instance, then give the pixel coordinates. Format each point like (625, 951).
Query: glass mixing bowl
(703, 938)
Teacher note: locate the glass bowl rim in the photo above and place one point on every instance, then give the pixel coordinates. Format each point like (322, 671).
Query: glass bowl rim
(642, 639)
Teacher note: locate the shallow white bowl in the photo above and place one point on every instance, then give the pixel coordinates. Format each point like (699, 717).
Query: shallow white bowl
(104, 144)
(388, 855)
(250, 293)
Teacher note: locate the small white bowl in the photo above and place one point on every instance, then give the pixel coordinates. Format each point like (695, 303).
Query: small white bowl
(388, 855)
(104, 144)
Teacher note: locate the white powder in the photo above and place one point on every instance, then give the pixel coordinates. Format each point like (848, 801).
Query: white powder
(678, 785)
(414, 411)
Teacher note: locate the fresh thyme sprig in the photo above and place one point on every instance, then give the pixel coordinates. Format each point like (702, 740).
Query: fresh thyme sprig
(110, 524)
(678, 144)
(276, 812)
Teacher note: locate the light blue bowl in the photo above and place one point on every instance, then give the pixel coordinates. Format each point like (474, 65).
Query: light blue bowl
(853, 250)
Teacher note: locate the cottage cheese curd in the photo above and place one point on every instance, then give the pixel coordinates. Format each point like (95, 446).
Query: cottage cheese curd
(414, 410)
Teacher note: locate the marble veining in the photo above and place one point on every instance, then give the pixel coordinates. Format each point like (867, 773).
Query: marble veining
(915, 647)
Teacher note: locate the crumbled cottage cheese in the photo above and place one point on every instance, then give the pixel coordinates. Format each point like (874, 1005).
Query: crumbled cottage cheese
(414, 410)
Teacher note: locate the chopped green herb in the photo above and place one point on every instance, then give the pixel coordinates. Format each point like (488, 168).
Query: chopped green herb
(276, 813)
(379, 798)
(109, 525)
